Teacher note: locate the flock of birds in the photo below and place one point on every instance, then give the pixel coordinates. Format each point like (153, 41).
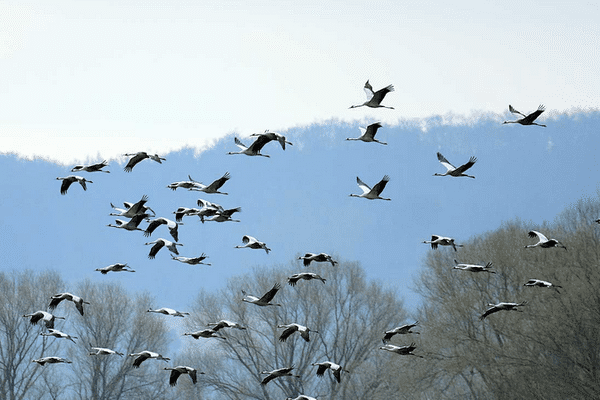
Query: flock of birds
(134, 214)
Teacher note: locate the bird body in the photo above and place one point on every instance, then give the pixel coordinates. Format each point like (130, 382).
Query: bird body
(541, 283)
(252, 243)
(474, 268)
(51, 360)
(169, 311)
(291, 328)
(369, 134)
(118, 267)
(145, 355)
(221, 215)
(225, 324)
(527, 119)
(374, 99)
(276, 373)
(193, 260)
(214, 187)
(66, 182)
(336, 369)
(442, 241)
(133, 209)
(451, 170)
(265, 300)
(205, 333)
(292, 280)
(252, 150)
(402, 350)
(131, 225)
(373, 193)
(139, 156)
(91, 168)
(400, 330)
(77, 301)
(500, 307)
(45, 316)
(159, 244)
(320, 257)
(543, 241)
(103, 351)
(273, 136)
(58, 334)
(182, 369)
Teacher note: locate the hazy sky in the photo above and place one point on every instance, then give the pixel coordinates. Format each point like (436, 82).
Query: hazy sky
(91, 80)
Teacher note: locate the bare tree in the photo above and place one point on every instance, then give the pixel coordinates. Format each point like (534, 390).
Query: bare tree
(349, 314)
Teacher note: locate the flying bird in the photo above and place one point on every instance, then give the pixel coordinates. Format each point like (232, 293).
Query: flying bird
(118, 267)
(182, 369)
(193, 260)
(222, 215)
(374, 193)
(301, 397)
(276, 373)
(265, 300)
(292, 280)
(133, 209)
(45, 316)
(252, 150)
(451, 170)
(185, 211)
(224, 324)
(336, 369)
(137, 157)
(442, 241)
(474, 268)
(205, 333)
(543, 241)
(66, 182)
(169, 311)
(368, 133)
(400, 330)
(131, 225)
(91, 168)
(291, 328)
(58, 334)
(321, 257)
(527, 119)
(541, 283)
(159, 244)
(374, 99)
(500, 307)
(103, 351)
(183, 184)
(402, 350)
(252, 243)
(51, 360)
(273, 136)
(77, 301)
(214, 187)
(171, 225)
(144, 355)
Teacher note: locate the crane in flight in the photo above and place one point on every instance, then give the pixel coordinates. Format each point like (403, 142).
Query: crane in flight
(527, 119)
(543, 241)
(68, 180)
(277, 373)
(273, 136)
(502, 306)
(451, 170)
(400, 330)
(441, 241)
(182, 369)
(368, 134)
(373, 193)
(265, 300)
(252, 150)
(473, 267)
(91, 167)
(374, 99)
(139, 156)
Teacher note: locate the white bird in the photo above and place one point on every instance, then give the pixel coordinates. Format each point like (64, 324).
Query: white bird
(253, 149)
(368, 133)
(320, 257)
(442, 241)
(222, 216)
(182, 369)
(77, 301)
(224, 324)
(273, 136)
(541, 283)
(51, 360)
(103, 351)
(292, 280)
(527, 119)
(205, 333)
(400, 330)
(45, 316)
(543, 241)
(131, 225)
(118, 267)
(133, 209)
(291, 328)
(214, 187)
(169, 311)
(66, 182)
(144, 355)
(265, 300)
(276, 373)
(91, 168)
(374, 99)
(185, 211)
(183, 184)
(159, 244)
(58, 334)
(192, 261)
(171, 225)
(473, 267)
(402, 350)
(451, 170)
(374, 193)
(139, 156)
(336, 369)
(500, 307)
(252, 243)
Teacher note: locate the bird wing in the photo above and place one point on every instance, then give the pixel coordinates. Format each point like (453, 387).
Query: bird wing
(267, 297)
(193, 375)
(134, 160)
(141, 358)
(155, 223)
(287, 333)
(173, 377)
(267, 379)
(305, 335)
(79, 306)
(321, 370)
(240, 144)
(65, 185)
(82, 183)
(369, 91)
(372, 130)
(540, 236)
(248, 239)
(219, 182)
(445, 162)
(138, 208)
(363, 186)
(55, 301)
(380, 94)
(292, 280)
(467, 165)
(378, 188)
(338, 372)
(489, 311)
(512, 110)
(157, 246)
(531, 117)
(258, 144)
